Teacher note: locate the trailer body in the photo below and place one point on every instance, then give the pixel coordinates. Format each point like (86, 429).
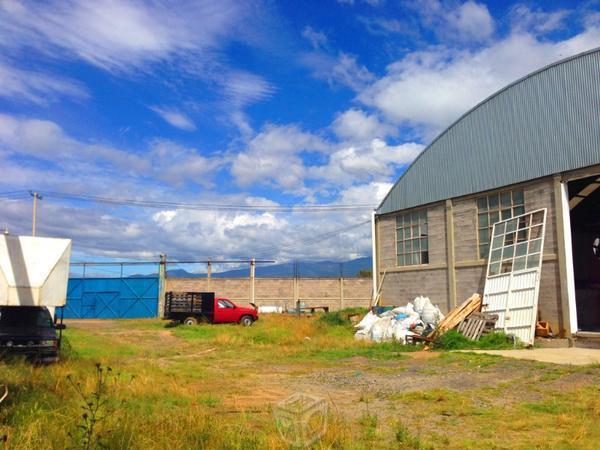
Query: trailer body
(34, 272)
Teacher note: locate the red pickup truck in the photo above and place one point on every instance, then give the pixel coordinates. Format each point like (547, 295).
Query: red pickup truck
(191, 308)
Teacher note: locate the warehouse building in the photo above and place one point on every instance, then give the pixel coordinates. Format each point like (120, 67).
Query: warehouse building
(534, 144)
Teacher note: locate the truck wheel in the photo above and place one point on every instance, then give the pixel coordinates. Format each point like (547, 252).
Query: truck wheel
(190, 321)
(246, 321)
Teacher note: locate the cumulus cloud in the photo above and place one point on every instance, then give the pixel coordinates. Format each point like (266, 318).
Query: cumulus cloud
(526, 19)
(365, 162)
(175, 118)
(469, 21)
(357, 125)
(430, 89)
(272, 157)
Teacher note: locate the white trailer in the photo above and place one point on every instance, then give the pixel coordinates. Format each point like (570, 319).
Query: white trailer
(34, 273)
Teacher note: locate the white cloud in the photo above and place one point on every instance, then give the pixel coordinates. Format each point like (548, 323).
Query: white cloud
(468, 22)
(365, 194)
(524, 19)
(430, 89)
(365, 162)
(175, 118)
(37, 87)
(118, 35)
(273, 157)
(243, 88)
(317, 39)
(341, 70)
(356, 125)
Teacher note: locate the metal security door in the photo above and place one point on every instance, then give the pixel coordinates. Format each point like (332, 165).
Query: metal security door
(112, 298)
(513, 273)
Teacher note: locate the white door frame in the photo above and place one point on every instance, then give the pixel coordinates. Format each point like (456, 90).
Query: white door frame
(569, 257)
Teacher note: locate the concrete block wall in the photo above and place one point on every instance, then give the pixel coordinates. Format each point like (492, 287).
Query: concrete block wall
(404, 283)
(335, 293)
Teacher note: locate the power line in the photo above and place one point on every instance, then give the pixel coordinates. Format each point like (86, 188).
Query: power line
(206, 207)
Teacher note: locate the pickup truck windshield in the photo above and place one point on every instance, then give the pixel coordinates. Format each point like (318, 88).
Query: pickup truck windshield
(23, 316)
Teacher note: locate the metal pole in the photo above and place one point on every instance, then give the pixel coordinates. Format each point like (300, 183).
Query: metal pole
(35, 196)
(252, 277)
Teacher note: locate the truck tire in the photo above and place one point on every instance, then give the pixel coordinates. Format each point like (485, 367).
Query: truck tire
(190, 321)
(246, 321)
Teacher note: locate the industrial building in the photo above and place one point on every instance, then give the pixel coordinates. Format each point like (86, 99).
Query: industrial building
(534, 144)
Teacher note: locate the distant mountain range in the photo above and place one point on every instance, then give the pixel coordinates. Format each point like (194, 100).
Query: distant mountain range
(305, 269)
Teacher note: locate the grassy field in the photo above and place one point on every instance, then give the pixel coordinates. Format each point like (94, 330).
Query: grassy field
(213, 386)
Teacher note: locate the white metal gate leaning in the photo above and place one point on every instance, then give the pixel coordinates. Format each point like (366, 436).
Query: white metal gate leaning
(513, 273)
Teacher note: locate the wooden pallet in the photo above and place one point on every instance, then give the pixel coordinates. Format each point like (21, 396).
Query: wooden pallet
(457, 315)
(478, 324)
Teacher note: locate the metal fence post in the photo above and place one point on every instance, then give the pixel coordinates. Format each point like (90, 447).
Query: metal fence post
(162, 279)
(252, 277)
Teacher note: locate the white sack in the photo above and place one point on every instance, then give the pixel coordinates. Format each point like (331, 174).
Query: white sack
(367, 322)
(382, 330)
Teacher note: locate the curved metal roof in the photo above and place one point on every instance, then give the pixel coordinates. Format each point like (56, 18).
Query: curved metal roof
(545, 123)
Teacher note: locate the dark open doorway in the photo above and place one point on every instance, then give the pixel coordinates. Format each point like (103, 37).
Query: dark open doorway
(584, 204)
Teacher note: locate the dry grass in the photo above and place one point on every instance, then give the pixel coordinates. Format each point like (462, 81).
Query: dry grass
(214, 386)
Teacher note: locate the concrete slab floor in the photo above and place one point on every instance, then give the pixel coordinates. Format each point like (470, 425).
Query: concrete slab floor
(573, 356)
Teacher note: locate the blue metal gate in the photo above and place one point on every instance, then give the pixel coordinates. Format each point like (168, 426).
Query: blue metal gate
(112, 298)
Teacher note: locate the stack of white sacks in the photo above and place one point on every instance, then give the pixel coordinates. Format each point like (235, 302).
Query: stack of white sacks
(396, 324)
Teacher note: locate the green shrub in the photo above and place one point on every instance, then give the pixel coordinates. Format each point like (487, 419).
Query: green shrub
(338, 318)
(454, 340)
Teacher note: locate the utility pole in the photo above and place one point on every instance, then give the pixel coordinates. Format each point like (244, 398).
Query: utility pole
(36, 197)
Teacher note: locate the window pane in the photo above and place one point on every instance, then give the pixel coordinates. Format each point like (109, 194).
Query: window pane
(424, 244)
(495, 256)
(407, 233)
(497, 242)
(508, 252)
(484, 236)
(408, 247)
(399, 221)
(511, 225)
(424, 230)
(519, 263)
(484, 251)
(400, 260)
(482, 204)
(535, 246)
(506, 214)
(536, 232)
(522, 235)
(537, 218)
(521, 249)
(415, 231)
(509, 239)
(414, 217)
(423, 215)
(519, 210)
(424, 257)
(505, 199)
(494, 218)
(523, 222)
(517, 197)
(483, 220)
(416, 245)
(506, 266)
(499, 229)
(400, 248)
(495, 268)
(416, 258)
(533, 261)
(493, 201)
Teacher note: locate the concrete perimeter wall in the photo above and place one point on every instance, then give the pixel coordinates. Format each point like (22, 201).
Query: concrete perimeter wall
(336, 293)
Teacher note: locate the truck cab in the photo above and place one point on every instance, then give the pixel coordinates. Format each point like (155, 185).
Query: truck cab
(29, 331)
(228, 312)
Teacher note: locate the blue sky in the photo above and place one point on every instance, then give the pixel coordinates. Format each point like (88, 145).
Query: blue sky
(245, 103)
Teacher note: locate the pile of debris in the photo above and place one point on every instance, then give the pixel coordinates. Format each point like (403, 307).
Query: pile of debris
(418, 318)
(421, 321)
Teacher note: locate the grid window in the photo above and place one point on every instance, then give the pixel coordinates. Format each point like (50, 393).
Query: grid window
(494, 208)
(517, 244)
(412, 245)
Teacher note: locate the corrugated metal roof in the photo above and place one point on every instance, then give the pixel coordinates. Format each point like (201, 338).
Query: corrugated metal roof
(547, 122)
